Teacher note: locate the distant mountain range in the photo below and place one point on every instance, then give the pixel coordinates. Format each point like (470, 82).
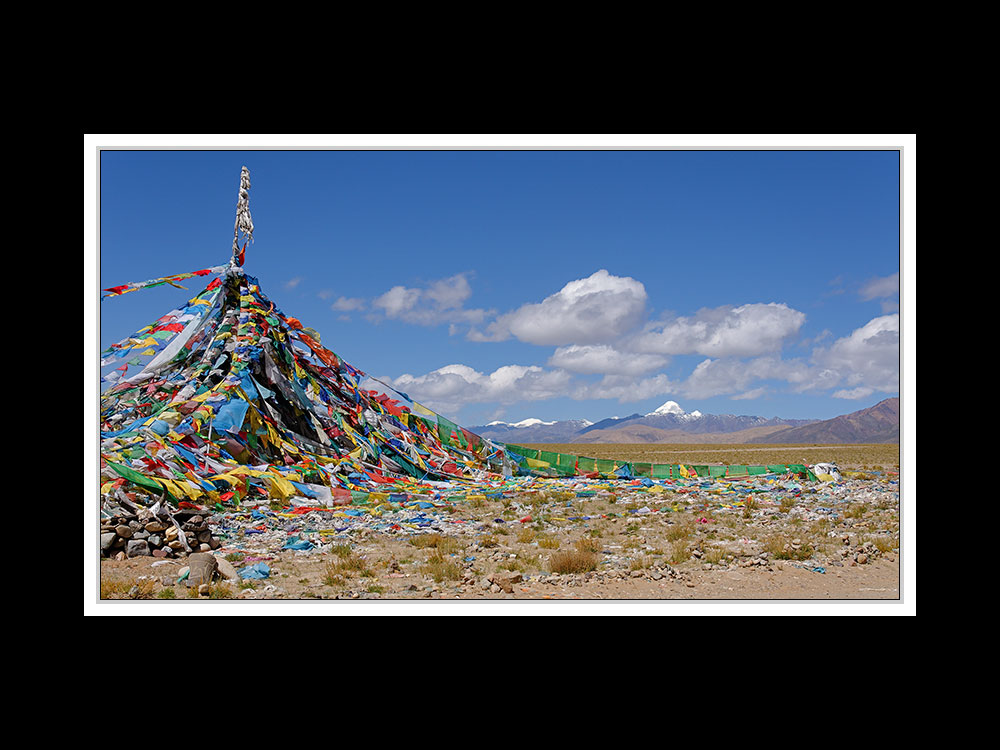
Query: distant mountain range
(671, 424)
(533, 430)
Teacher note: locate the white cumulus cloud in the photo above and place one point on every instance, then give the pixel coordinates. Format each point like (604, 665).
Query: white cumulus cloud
(859, 364)
(439, 302)
(885, 289)
(593, 310)
(347, 304)
(878, 288)
(733, 377)
(624, 388)
(867, 358)
(605, 359)
(449, 388)
(744, 331)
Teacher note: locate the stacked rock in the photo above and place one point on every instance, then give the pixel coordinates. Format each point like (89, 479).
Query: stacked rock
(165, 533)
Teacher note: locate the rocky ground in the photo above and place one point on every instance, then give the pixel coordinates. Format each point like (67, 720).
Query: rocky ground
(773, 539)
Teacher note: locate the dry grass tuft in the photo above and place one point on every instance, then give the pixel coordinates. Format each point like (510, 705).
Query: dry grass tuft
(573, 561)
(678, 532)
(443, 544)
(715, 555)
(127, 588)
(679, 552)
(587, 545)
(780, 547)
(856, 510)
(220, 591)
(643, 562)
(885, 544)
(442, 568)
(346, 567)
(547, 541)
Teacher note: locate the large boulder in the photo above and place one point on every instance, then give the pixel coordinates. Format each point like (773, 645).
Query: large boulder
(202, 567)
(137, 548)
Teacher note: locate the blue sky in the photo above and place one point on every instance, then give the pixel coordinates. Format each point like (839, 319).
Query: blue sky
(550, 284)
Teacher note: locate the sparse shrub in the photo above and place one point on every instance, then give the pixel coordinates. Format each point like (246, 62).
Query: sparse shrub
(220, 591)
(332, 579)
(781, 547)
(679, 552)
(547, 541)
(677, 532)
(641, 563)
(442, 568)
(443, 544)
(587, 545)
(347, 566)
(116, 589)
(127, 588)
(573, 561)
(714, 555)
(885, 544)
(528, 562)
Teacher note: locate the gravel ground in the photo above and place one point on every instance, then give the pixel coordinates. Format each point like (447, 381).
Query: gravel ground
(765, 539)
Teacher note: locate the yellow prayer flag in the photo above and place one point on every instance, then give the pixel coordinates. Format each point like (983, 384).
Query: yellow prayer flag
(419, 409)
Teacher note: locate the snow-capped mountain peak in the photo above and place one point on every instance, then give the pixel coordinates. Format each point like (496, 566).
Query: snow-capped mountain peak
(672, 407)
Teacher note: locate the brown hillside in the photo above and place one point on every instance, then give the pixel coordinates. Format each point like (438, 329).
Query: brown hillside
(876, 424)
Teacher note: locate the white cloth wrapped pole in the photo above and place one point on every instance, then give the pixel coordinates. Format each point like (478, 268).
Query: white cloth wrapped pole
(243, 221)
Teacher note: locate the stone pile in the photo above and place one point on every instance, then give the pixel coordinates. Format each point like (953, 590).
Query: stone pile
(860, 553)
(158, 532)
